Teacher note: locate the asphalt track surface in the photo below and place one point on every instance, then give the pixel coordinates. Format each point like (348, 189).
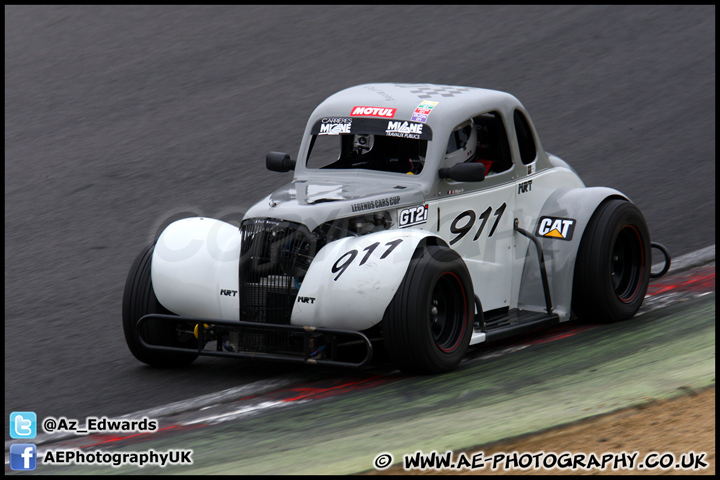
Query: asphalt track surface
(119, 120)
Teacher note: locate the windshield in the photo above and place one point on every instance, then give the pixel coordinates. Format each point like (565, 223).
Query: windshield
(395, 146)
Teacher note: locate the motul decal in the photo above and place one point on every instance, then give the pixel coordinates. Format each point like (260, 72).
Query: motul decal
(373, 112)
(555, 227)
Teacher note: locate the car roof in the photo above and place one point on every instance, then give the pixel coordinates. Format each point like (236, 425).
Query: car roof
(449, 105)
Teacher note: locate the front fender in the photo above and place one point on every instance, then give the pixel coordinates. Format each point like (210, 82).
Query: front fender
(576, 204)
(195, 268)
(351, 281)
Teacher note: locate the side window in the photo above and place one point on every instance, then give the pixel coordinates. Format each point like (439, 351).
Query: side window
(524, 138)
(493, 147)
(480, 139)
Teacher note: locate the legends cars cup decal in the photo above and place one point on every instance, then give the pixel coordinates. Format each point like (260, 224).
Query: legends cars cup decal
(380, 203)
(555, 227)
(408, 217)
(373, 112)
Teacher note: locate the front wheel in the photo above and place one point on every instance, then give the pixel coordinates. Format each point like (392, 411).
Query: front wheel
(612, 269)
(428, 324)
(139, 300)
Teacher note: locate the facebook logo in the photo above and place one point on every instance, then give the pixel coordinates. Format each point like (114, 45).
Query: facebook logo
(23, 425)
(23, 456)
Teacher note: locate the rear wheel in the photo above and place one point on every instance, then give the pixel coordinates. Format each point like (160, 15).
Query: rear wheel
(612, 269)
(428, 325)
(139, 300)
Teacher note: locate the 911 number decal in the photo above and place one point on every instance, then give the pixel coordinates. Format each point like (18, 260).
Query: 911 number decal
(463, 230)
(342, 263)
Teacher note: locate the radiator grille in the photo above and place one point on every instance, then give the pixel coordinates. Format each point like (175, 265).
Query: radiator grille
(274, 255)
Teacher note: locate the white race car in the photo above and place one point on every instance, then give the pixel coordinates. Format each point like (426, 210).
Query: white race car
(421, 218)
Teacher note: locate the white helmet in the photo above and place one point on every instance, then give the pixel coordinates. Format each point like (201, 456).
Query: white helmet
(462, 144)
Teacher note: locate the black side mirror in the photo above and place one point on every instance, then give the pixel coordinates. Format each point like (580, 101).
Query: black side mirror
(464, 172)
(279, 162)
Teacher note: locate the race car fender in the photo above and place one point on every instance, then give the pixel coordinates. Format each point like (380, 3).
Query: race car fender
(351, 281)
(559, 227)
(195, 268)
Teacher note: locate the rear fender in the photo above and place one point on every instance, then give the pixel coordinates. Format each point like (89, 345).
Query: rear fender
(574, 207)
(351, 281)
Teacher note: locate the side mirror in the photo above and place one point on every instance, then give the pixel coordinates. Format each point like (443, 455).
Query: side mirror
(464, 172)
(279, 162)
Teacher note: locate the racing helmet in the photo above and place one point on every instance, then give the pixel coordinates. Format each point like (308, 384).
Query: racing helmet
(462, 144)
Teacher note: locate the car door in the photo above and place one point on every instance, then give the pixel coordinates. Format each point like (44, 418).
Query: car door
(476, 218)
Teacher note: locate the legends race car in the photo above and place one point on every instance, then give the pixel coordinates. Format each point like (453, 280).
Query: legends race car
(421, 219)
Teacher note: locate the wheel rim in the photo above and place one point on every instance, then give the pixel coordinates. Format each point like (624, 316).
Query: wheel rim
(448, 312)
(627, 264)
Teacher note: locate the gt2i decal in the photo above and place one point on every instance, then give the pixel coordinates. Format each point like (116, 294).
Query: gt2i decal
(408, 217)
(466, 225)
(347, 258)
(555, 227)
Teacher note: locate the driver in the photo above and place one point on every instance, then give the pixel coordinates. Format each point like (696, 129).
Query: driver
(463, 146)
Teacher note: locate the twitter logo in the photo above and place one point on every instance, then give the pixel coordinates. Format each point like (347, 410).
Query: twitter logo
(23, 425)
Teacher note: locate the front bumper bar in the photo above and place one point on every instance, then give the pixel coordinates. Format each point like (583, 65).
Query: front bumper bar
(207, 330)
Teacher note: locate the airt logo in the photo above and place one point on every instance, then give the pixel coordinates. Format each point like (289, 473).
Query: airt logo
(555, 227)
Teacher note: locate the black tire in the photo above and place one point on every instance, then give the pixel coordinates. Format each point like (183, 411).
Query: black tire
(138, 300)
(428, 324)
(612, 269)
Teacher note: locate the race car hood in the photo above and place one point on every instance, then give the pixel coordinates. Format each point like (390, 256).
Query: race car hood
(313, 202)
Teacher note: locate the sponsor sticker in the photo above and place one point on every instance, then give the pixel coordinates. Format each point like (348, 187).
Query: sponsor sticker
(410, 216)
(422, 111)
(373, 112)
(335, 126)
(404, 129)
(379, 203)
(556, 227)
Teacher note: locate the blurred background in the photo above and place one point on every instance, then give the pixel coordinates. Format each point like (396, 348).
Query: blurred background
(121, 119)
